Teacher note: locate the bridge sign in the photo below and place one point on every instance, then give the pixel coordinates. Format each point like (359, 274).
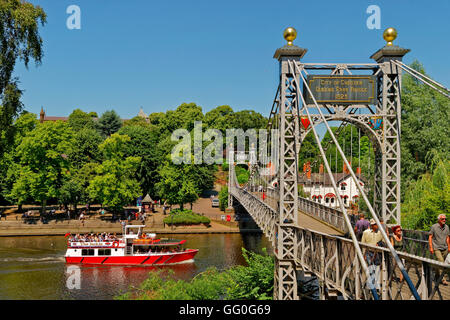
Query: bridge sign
(345, 90)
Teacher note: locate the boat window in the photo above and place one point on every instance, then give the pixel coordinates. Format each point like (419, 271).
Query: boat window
(87, 252)
(104, 252)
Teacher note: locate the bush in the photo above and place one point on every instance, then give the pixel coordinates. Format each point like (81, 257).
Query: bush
(252, 282)
(225, 166)
(185, 217)
(242, 174)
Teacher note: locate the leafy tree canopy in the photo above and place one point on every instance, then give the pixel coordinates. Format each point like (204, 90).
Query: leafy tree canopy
(19, 40)
(109, 123)
(79, 119)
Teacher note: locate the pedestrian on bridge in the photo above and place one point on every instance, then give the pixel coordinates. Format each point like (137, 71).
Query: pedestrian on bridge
(439, 242)
(361, 225)
(372, 236)
(398, 244)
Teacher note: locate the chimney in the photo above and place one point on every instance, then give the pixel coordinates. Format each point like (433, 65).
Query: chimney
(42, 115)
(358, 170)
(321, 168)
(345, 169)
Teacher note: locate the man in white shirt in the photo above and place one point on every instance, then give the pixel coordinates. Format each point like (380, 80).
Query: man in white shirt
(372, 236)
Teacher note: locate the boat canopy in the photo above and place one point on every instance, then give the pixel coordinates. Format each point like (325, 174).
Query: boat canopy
(158, 242)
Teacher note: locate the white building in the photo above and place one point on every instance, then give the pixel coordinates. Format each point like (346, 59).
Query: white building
(318, 186)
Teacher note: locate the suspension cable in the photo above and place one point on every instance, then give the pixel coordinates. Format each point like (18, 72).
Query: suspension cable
(338, 132)
(372, 211)
(416, 74)
(333, 182)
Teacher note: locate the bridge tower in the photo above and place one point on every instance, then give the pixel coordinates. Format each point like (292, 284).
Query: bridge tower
(285, 286)
(387, 157)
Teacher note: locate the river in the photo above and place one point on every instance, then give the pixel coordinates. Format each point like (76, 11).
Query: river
(34, 268)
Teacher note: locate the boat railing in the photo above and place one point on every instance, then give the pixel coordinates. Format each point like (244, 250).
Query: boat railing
(104, 243)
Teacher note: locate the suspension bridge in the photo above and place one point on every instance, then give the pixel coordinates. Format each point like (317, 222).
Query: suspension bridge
(315, 241)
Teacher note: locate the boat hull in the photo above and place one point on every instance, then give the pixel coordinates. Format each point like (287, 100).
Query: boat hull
(143, 260)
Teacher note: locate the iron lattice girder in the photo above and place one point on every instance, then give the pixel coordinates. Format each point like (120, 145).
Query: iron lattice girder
(386, 140)
(333, 260)
(288, 178)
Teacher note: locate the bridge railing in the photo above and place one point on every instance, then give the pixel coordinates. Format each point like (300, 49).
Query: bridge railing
(334, 261)
(327, 214)
(415, 241)
(264, 215)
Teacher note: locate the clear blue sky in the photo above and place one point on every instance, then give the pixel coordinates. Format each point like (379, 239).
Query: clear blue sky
(159, 54)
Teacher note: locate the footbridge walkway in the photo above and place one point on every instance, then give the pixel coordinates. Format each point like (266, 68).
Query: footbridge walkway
(324, 253)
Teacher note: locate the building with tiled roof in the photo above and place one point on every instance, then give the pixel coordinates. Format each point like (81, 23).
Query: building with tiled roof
(319, 188)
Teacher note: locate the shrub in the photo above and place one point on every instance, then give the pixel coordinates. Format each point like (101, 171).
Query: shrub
(185, 217)
(252, 282)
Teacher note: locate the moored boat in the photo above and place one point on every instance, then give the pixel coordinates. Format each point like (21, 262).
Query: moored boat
(132, 248)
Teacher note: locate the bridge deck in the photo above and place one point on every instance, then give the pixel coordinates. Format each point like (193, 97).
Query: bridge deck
(304, 220)
(310, 223)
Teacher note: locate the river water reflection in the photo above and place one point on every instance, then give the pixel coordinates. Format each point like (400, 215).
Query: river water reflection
(34, 267)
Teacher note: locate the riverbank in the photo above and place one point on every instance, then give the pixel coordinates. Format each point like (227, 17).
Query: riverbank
(94, 224)
(56, 228)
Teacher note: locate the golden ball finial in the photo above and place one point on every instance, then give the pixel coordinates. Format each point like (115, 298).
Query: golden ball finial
(389, 35)
(290, 34)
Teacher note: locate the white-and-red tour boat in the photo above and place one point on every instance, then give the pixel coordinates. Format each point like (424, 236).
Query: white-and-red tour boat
(133, 248)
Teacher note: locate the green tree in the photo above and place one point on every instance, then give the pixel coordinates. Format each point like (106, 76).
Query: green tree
(157, 118)
(177, 184)
(85, 147)
(138, 121)
(242, 174)
(70, 192)
(248, 119)
(79, 119)
(425, 115)
(9, 163)
(223, 198)
(309, 150)
(428, 196)
(109, 123)
(183, 117)
(220, 118)
(144, 144)
(114, 185)
(43, 163)
(19, 40)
